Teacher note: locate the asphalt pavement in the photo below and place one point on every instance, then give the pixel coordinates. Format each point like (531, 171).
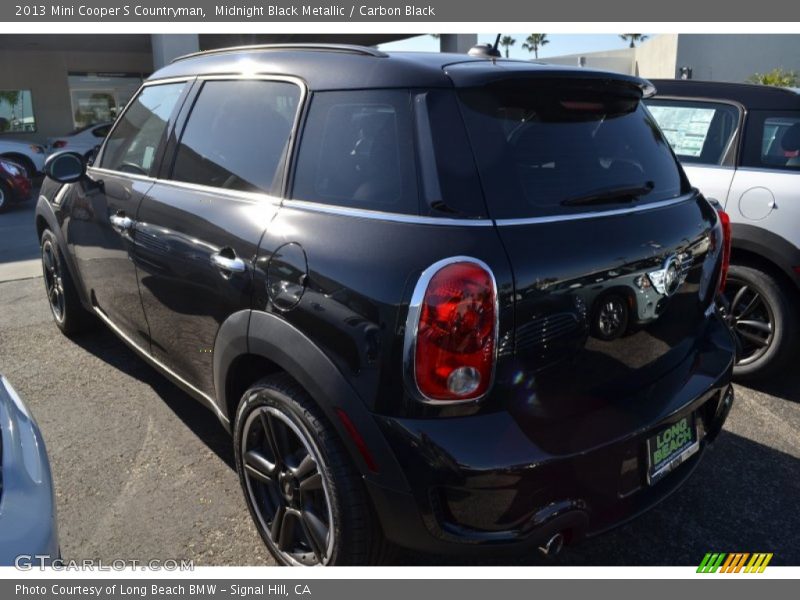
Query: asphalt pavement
(142, 471)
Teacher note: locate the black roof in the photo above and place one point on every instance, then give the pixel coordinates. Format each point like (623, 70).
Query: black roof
(330, 66)
(751, 96)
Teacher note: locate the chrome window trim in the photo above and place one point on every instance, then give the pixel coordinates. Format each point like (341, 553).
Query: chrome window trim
(412, 326)
(597, 214)
(115, 173)
(255, 197)
(383, 216)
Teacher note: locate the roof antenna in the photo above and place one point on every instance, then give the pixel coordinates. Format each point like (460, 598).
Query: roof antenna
(486, 50)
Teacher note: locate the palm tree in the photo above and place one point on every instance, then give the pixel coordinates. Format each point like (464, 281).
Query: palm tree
(633, 38)
(535, 41)
(506, 42)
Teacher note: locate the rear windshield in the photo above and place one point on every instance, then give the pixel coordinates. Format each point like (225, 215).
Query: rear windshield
(550, 147)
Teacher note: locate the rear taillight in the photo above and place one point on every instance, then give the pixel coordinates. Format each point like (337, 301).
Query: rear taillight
(725, 221)
(453, 331)
(59, 144)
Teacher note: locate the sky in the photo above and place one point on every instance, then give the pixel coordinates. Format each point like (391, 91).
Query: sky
(560, 43)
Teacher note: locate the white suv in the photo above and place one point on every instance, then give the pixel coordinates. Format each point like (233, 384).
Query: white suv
(740, 145)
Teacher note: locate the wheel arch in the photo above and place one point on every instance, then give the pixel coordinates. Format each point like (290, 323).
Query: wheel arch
(253, 344)
(762, 249)
(45, 218)
(23, 160)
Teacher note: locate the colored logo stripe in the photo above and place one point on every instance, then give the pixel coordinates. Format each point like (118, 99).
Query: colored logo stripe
(734, 562)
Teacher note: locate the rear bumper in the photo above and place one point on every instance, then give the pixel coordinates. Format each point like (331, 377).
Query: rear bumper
(481, 484)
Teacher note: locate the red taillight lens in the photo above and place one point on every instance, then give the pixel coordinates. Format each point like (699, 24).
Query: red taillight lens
(456, 333)
(725, 221)
(59, 144)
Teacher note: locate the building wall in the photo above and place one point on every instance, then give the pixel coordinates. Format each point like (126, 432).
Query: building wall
(619, 61)
(656, 57)
(45, 73)
(737, 57)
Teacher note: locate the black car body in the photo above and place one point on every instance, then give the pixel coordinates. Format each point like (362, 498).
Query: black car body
(481, 335)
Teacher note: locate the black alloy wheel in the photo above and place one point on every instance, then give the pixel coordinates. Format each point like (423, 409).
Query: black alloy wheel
(763, 317)
(53, 279)
(286, 487)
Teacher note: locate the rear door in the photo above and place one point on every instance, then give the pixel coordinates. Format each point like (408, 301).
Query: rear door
(704, 136)
(199, 227)
(614, 259)
(766, 189)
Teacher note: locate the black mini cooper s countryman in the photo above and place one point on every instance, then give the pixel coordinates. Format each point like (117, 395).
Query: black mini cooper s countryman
(461, 305)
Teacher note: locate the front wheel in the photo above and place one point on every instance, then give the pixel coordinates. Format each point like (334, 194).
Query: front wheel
(304, 494)
(764, 321)
(68, 313)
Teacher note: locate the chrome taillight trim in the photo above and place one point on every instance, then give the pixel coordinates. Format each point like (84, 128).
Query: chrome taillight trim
(412, 327)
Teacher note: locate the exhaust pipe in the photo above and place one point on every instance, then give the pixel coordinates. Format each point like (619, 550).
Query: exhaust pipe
(553, 546)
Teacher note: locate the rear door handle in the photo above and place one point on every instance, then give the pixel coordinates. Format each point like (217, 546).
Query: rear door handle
(121, 223)
(228, 264)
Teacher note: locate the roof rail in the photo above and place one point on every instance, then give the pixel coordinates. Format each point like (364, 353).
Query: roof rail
(343, 48)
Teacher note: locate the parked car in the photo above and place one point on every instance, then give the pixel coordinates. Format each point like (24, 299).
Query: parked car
(27, 502)
(391, 308)
(29, 156)
(740, 144)
(15, 185)
(83, 140)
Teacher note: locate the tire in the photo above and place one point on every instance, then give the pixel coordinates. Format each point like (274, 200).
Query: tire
(68, 313)
(5, 197)
(336, 505)
(760, 309)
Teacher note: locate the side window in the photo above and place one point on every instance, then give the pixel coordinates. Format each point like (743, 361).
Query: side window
(699, 132)
(237, 135)
(357, 151)
(772, 140)
(132, 146)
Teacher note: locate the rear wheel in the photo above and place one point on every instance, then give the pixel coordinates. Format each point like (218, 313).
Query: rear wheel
(304, 494)
(68, 313)
(763, 320)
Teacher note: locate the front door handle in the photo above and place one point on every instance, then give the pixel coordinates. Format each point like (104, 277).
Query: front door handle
(121, 223)
(228, 264)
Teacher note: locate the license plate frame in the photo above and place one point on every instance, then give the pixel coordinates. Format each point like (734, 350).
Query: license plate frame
(657, 469)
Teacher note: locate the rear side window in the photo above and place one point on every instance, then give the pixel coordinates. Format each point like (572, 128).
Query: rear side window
(552, 147)
(699, 132)
(237, 135)
(357, 151)
(773, 140)
(133, 144)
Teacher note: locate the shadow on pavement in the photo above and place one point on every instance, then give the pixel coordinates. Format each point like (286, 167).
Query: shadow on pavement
(205, 425)
(786, 386)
